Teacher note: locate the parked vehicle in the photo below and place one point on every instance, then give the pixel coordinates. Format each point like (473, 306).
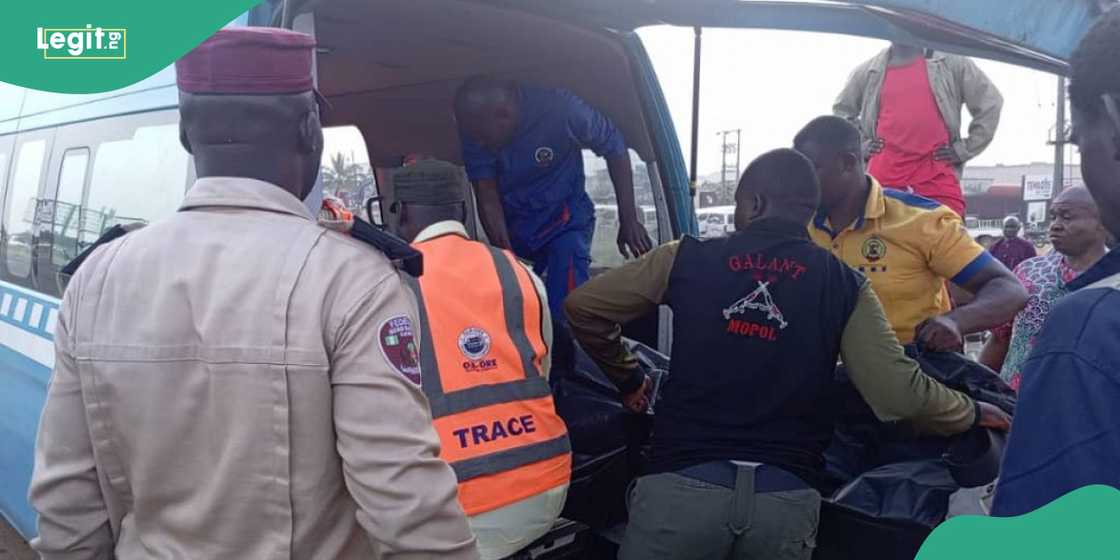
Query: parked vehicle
(715, 221)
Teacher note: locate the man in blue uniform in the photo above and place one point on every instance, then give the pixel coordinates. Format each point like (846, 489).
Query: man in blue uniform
(522, 150)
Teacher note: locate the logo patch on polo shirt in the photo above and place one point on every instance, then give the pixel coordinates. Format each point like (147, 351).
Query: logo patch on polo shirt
(544, 156)
(398, 344)
(874, 249)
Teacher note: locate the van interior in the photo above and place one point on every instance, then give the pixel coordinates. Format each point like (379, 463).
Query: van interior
(391, 69)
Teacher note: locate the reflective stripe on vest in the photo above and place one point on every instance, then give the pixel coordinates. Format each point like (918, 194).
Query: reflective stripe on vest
(481, 352)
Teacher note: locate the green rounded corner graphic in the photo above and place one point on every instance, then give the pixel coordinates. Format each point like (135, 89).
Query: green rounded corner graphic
(64, 46)
(1081, 525)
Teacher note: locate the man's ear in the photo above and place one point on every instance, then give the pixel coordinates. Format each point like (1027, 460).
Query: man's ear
(850, 161)
(184, 139)
(761, 204)
(746, 211)
(310, 133)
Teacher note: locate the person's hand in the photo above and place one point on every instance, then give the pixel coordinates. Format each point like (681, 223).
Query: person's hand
(993, 417)
(633, 239)
(947, 154)
(875, 146)
(638, 401)
(940, 334)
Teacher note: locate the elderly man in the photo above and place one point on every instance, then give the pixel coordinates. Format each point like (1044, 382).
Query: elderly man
(1012, 249)
(235, 382)
(1068, 432)
(908, 103)
(486, 331)
(1079, 242)
(759, 320)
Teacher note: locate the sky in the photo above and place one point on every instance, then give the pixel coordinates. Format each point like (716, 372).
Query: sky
(770, 83)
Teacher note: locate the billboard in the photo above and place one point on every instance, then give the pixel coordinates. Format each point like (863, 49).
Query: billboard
(1038, 187)
(1036, 212)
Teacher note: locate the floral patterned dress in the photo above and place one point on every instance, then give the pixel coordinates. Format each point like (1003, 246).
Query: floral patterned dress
(1045, 279)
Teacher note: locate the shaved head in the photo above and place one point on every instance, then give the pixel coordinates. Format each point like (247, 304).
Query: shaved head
(1076, 195)
(488, 111)
(835, 147)
(1075, 223)
(780, 183)
(478, 92)
(273, 138)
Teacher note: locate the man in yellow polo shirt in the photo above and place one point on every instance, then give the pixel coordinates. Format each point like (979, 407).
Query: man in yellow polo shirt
(907, 245)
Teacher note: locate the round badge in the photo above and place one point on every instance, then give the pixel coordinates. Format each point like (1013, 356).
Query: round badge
(474, 343)
(544, 156)
(398, 345)
(874, 249)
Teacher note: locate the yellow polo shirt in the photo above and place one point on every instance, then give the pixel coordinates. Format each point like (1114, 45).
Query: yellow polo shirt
(907, 246)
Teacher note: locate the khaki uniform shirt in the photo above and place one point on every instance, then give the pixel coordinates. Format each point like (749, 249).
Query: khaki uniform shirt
(891, 383)
(233, 383)
(956, 81)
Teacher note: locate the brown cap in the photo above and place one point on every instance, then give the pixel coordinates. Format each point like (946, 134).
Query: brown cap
(431, 182)
(250, 61)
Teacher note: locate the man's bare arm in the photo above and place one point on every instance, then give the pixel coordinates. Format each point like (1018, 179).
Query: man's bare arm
(998, 296)
(633, 240)
(491, 214)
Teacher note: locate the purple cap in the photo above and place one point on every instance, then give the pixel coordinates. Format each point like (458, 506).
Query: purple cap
(250, 61)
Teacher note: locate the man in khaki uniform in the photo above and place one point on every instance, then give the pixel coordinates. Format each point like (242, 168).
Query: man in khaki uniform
(236, 382)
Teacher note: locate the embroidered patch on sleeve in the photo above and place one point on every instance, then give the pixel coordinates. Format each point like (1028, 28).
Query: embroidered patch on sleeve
(399, 345)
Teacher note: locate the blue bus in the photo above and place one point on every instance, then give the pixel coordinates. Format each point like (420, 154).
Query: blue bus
(73, 165)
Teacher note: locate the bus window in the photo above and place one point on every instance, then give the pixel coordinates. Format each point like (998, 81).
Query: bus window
(604, 244)
(21, 200)
(139, 179)
(11, 98)
(67, 206)
(3, 162)
(346, 173)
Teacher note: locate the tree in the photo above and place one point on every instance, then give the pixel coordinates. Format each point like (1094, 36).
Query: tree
(349, 181)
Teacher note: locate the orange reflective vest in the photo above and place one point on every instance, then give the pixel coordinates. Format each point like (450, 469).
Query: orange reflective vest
(481, 351)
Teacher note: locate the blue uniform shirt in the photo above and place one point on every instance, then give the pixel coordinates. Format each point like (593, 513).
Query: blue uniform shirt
(540, 173)
(1066, 432)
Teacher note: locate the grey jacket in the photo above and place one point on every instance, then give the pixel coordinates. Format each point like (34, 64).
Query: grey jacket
(955, 81)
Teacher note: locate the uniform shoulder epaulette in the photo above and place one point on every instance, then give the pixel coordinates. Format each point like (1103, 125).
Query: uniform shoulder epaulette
(398, 250)
(110, 235)
(335, 216)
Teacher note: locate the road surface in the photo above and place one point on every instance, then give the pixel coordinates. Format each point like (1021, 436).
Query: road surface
(12, 546)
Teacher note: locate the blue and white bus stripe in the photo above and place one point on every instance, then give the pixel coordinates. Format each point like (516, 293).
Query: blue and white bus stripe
(27, 322)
